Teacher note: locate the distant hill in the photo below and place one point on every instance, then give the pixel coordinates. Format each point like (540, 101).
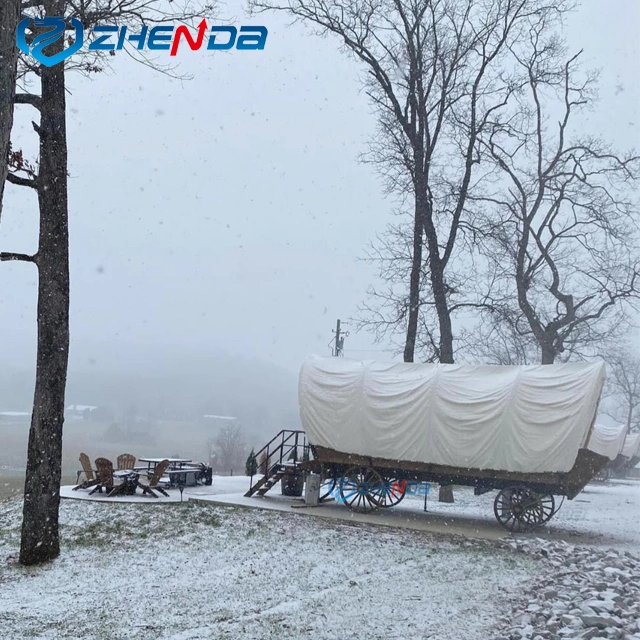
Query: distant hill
(170, 384)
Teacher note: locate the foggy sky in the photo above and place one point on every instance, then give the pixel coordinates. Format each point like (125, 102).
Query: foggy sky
(229, 211)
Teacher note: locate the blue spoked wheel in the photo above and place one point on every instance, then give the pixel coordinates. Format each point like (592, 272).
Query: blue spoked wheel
(393, 492)
(361, 489)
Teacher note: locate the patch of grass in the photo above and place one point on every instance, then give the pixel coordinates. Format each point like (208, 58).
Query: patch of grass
(208, 519)
(122, 526)
(144, 521)
(100, 533)
(201, 514)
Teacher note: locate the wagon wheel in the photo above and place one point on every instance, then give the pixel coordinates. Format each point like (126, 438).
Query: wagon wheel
(519, 509)
(393, 491)
(361, 489)
(327, 488)
(548, 506)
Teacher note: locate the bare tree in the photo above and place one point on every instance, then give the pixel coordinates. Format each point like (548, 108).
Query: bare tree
(434, 76)
(9, 18)
(231, 447)
(561, 227)
(470, 289)
(40, 539)
(48, 178)
(500, 339)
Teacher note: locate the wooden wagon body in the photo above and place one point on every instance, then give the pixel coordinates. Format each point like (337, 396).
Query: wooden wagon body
(363, 483)
(331, 463)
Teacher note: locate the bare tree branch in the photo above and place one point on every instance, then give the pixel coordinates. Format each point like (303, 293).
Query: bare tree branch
(22, 182)
(6, 257)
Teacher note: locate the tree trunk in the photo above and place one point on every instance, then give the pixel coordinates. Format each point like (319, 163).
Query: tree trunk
(439, 289)
(442, 309)
(548, 353)
(444, 318)
(40, 541)
(9, 17)
(414, 285)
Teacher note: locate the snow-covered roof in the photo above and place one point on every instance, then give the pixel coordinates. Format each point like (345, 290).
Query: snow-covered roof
(220, 417)
(15, 414)
(81, 407)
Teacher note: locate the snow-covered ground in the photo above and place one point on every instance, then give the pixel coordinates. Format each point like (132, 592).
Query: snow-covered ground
(604, 515)
(193, 570)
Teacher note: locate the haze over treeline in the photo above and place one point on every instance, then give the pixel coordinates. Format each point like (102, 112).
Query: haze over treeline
(166, 384)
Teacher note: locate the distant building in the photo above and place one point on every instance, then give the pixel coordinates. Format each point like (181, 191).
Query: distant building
(79, 411)
(216, 421)
(79, 408)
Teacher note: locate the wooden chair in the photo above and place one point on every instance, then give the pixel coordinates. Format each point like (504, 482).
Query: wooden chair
(154, 480)
(126, 461)
(91, 480)
(104, 469)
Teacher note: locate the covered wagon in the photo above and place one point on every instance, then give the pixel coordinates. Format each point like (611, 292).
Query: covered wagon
(521, 430)
(608, 440)
(631, 450)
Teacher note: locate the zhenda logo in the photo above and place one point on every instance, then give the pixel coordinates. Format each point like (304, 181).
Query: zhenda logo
(113, 38)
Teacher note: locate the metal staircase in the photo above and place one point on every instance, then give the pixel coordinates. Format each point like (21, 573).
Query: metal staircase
(279, 457)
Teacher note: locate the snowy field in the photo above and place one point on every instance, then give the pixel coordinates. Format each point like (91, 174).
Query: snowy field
(187, 572)
(200, 571)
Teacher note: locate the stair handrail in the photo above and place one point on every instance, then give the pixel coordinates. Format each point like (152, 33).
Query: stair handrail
(280, 433)
(279, 449)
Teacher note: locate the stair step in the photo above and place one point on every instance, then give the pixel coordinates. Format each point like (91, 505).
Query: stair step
(273, 480)
(264, 484)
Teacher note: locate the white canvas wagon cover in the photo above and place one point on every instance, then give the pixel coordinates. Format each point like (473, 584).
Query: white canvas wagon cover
(511, 418)
(631, 447)
(607, 440)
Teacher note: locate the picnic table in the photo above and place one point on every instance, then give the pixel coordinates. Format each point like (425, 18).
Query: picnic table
(180, 470)
(174, 463)
(184, 475)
